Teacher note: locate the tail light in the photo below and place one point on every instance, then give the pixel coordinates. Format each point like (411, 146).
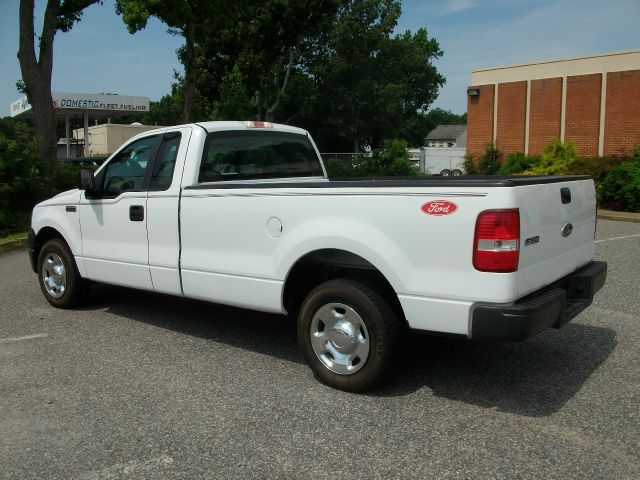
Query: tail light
(253, 124)
(496, 244)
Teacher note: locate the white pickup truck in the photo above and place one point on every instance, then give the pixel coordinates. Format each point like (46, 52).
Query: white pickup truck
(244, 214)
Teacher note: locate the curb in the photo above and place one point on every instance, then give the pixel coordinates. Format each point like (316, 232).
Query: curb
(17, 244)
(620, 217)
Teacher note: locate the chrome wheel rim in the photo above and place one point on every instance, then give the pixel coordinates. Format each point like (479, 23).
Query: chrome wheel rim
(339, 338)
(54, 275)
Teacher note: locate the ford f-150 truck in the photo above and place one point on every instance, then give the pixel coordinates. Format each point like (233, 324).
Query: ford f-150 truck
(244, 214)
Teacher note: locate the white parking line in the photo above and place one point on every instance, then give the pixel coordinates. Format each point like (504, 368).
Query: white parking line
(618, 238)
(25, 337)
(133, 469)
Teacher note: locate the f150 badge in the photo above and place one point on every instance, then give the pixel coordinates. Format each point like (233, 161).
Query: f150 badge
(439, 207)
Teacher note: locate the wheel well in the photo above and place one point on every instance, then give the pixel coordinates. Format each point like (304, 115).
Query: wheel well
(328, 264)
(44, 235)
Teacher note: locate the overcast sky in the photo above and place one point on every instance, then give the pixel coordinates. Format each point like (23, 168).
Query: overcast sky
(99, 55)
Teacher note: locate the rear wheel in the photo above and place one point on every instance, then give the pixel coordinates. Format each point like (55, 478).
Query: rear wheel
(348, 334)
(60, 281)
(445, 173)
(456, 173)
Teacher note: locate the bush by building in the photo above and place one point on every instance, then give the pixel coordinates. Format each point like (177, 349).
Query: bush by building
(620, 187)
(518, 162)
(558, 158)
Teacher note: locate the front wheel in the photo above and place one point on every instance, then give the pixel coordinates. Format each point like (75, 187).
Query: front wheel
(348, 334)
(60, 281)
(456, 173)
(445, 173)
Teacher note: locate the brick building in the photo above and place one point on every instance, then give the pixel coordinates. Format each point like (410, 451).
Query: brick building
(593, 101)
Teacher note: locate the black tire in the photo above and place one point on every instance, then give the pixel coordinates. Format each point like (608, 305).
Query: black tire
(383, 331)
(76, 288)
(445, 173)
(456, 173)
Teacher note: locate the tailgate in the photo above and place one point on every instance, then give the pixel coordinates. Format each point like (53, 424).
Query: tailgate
(557, 225)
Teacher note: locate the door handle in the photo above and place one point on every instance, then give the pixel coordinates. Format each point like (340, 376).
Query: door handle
(136, 213)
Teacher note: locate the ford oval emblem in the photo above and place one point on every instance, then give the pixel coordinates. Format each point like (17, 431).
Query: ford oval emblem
(439, 207)
(567, 228)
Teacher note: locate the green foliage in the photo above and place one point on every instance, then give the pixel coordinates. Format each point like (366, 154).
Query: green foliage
(620, 188)
(165, 112)
(21, 179)
(234, 102)
(518, 162)
(471, 165)
(70, 12)
(392, 160)
(439, 116)
(489, 163)
(557, 159)
(372, 83)
(597, 167)
(336, 68)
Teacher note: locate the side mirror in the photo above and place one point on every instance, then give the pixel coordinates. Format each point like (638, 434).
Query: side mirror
(87, 182)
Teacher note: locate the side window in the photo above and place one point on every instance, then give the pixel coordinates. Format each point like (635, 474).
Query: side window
(253, 155)
(165, 161)
(126, 171)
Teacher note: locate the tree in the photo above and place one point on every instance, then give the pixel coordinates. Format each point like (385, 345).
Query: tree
(372, 85)
(59, 15)
(266, 45)
(439, 116)
(183, 17)
(234, 103)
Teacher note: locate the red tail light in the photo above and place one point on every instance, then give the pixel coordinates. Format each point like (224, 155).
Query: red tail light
(496, 245)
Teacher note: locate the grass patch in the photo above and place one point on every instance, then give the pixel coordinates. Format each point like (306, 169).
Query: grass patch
(13, 236)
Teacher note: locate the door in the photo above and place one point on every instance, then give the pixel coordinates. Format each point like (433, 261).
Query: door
(115, 246)
(162, 211)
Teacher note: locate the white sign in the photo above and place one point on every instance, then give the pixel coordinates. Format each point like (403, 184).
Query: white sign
(19, 106)
(88, 101)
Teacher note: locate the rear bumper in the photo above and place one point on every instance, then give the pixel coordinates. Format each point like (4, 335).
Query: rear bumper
(552, 306)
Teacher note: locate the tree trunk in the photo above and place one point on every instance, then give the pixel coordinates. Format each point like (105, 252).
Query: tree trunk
(36, 75)
(189, 67)
(271, 112)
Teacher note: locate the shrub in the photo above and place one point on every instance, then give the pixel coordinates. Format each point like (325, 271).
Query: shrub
(391, 160)
(21, 176)
(518, 162)
(620, 188)
(489, 163)
(557, 159)
(471, 165)
(597, 167)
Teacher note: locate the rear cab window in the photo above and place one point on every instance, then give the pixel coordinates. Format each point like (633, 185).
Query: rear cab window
(247, 155)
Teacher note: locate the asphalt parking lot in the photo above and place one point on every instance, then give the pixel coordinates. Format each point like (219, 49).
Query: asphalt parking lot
(137, 386)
